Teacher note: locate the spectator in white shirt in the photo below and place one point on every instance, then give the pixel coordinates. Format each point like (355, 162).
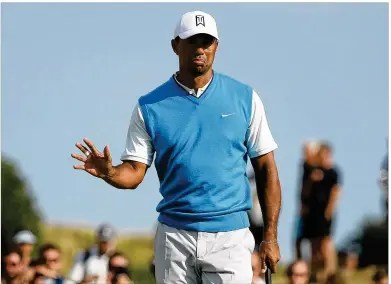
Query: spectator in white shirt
(91, 265)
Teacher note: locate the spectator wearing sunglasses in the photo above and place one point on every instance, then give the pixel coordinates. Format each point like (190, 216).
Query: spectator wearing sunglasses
(49, 264)
(12, 267)
(118, 270)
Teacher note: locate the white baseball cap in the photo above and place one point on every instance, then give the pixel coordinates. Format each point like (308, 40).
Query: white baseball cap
(24, 237)
(196, 22)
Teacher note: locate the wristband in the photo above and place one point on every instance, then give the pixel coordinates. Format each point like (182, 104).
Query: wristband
(270, 242)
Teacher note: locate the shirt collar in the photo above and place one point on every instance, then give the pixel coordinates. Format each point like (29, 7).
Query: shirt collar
(191, 91)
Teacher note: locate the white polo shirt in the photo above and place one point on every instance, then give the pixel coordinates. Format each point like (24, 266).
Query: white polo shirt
(139, 145)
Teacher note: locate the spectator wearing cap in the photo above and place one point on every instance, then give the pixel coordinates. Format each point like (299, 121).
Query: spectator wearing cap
(91, 265)
(25, 241)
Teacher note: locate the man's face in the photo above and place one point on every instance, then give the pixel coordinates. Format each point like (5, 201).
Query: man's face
(299, 274)
(196, 54)
(26, 249)
(53, 259)
(325, 156)
(13, 265)
(106, 246)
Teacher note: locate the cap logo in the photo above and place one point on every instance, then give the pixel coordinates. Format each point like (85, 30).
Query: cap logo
(200, 20)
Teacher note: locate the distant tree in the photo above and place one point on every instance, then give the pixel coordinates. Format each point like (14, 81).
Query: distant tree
(18, 205)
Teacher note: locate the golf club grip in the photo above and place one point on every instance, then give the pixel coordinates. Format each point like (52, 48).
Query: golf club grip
(268, 276)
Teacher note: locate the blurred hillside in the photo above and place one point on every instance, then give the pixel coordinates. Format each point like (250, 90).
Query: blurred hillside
(139, 249)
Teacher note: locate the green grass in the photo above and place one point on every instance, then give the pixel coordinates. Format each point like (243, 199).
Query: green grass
(140, 251)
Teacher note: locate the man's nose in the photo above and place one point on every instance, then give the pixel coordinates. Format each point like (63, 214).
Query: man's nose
(199, 50)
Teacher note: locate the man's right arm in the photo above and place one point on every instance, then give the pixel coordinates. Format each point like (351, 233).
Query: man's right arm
(127, 175)
(137, 156)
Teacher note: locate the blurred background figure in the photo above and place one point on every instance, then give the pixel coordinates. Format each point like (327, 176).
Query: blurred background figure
(383, 181)
(92, 264)
(12, 268)
(336, 279)
(348, 261)
(380, 277)
(48, 265)
(323, 189)
(258, 276)
(118, 270)
(309, 161)
(298, 272)
(25, 240)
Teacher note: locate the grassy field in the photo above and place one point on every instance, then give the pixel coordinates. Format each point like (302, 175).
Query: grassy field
(139, 250)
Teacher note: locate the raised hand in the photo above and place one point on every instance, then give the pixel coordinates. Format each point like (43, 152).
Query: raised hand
(94, 162)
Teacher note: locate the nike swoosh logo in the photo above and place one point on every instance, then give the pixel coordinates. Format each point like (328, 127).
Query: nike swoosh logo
(225, 115)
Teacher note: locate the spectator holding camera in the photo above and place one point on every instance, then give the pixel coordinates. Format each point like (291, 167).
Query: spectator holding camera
(49, 264)
(118, 270)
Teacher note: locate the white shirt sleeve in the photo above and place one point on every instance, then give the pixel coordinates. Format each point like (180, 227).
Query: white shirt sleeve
(138, 142)
(76, 274)
(259, 138)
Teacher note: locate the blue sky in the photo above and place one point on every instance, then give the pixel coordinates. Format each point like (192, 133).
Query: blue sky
(76, 70)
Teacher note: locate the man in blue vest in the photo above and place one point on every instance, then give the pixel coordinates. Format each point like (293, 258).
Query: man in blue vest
(201, 126)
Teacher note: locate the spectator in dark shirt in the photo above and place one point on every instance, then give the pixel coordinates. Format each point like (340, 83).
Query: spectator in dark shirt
(308, 163)
(324, 190)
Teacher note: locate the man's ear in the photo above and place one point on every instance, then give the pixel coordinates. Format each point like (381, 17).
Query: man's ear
(174, 45)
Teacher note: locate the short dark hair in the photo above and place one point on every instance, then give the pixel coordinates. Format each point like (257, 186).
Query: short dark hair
(14, 250)
(117, 253)
(48, 246)
(122, 270)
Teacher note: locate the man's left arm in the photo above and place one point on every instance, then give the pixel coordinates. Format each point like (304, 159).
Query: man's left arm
(260, 147)
(269, 193)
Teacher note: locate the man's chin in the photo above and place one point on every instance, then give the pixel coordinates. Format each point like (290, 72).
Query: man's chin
(199, 70)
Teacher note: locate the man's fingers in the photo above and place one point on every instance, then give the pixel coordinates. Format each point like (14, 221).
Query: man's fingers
(92, 147)
(79, 157)
(106, 152)
(272, 266)
(263, 263)
(83, 149)
(79, 167)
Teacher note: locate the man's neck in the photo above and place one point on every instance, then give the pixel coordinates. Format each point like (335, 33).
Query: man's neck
(26, 259)
(192, 82)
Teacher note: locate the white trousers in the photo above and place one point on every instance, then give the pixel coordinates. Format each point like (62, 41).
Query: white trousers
(185, 257)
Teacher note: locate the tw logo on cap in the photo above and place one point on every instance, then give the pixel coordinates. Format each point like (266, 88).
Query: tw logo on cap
(200, 20)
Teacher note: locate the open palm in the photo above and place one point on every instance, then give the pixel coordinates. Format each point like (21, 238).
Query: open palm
(94, 162)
